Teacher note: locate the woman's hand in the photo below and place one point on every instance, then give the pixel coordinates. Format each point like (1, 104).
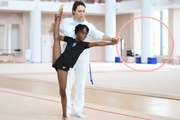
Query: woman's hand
(115, 40)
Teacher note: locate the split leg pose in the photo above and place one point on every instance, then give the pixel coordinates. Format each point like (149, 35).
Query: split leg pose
(61, 74)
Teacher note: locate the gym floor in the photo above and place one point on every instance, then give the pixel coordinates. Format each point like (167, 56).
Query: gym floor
(32, 94)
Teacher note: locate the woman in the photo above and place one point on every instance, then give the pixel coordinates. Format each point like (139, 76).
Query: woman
(63, 61)
(81, 67)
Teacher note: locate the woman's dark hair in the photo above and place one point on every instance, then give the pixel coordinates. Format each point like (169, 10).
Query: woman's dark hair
(80, 27)
(76, 4)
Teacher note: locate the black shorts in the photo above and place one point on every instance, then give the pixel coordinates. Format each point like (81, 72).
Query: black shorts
(59, 65)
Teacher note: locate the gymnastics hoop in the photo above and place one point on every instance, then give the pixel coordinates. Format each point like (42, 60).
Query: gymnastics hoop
(133, 19)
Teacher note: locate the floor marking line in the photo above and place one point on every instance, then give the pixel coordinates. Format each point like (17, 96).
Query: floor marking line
(95, 109)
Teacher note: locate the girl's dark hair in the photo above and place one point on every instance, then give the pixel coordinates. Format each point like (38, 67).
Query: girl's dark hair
(76, 4)
(80, 27)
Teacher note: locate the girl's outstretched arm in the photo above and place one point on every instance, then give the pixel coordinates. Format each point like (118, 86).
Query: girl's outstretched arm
(103, 43)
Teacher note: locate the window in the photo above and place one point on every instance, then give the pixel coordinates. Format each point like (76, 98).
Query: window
(165, 33)
(157, 37)
(161, 33)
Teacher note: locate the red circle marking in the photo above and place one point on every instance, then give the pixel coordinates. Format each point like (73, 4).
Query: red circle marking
(119, 32)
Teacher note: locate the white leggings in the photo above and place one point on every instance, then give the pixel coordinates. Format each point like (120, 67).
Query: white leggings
(80, 71)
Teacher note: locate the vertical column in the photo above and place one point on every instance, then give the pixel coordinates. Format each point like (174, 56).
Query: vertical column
(25, 42)
(174, 18)
(9, 38)
(35, 32)
(2, 36)
(110, 29)
(147, 30)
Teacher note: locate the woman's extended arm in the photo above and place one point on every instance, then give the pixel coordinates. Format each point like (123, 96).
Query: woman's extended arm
(108, 38)
(96, 34)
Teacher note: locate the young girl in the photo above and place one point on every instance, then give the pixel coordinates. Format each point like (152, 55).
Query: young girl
(62, 62)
